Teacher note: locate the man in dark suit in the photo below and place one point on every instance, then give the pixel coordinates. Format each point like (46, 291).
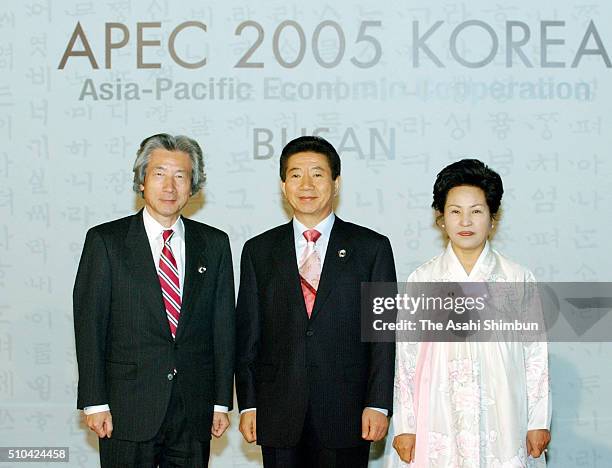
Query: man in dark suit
(154, 320)
(311, 393)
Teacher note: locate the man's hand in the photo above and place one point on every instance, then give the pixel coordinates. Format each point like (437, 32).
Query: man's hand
(248, 426)
(220, 424)
(374, 425)
(404, 446)
(537, 440)
(101, 423)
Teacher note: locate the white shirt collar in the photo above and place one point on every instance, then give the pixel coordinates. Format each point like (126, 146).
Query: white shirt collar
(154, 229)
(480, 262)
(324, 227)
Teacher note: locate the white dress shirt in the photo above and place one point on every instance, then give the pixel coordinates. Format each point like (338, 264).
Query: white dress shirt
(154, 232)
(325, 228)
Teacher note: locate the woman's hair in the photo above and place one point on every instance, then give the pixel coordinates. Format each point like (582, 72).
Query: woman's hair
(468, 172)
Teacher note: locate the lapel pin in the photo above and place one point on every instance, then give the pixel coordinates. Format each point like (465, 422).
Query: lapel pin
(202, 269)
(341, 253)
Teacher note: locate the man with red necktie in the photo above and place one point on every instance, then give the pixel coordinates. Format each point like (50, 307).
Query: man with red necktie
(310, 392)
(154, 320)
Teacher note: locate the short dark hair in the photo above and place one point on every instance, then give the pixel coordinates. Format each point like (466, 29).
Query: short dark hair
(314, 144)
(468, 172)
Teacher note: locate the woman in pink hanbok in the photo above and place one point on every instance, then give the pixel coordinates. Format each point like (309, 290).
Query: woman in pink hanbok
(470, 404)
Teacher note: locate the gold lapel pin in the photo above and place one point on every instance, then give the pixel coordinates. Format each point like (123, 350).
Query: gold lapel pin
(341, 253)
(202, 269)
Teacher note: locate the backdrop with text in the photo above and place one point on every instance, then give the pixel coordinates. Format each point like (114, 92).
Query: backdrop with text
(400, 88)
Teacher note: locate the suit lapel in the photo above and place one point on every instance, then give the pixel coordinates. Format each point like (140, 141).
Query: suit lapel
(195, 273)
(140, 259)
(338, 252)
(285, 259)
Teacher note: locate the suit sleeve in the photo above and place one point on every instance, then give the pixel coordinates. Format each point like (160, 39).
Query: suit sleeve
(247, 332)
(224, 329)
(91, 310)
(382, 355)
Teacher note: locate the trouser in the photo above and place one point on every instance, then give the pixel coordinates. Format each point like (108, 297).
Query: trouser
(309, 453)
(173, 446)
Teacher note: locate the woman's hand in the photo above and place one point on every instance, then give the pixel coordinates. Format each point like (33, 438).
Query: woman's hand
(404, 446)
(537, 440)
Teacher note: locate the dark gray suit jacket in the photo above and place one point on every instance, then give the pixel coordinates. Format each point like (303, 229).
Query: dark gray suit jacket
(125, 352)
(288, 364)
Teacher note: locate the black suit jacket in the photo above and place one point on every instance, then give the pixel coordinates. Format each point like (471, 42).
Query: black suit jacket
(125, 352)
(287, 363)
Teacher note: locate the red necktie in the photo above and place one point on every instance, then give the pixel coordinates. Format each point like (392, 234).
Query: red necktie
(310, 269)
(169, 281)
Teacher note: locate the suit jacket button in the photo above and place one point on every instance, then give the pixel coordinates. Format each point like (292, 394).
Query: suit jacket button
(170, 376)
(309, 332)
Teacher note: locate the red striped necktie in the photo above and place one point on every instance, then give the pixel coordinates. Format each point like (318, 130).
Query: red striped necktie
(169, 281)
(310, 269)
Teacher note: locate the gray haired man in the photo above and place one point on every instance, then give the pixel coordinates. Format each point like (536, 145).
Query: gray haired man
(154, 320)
